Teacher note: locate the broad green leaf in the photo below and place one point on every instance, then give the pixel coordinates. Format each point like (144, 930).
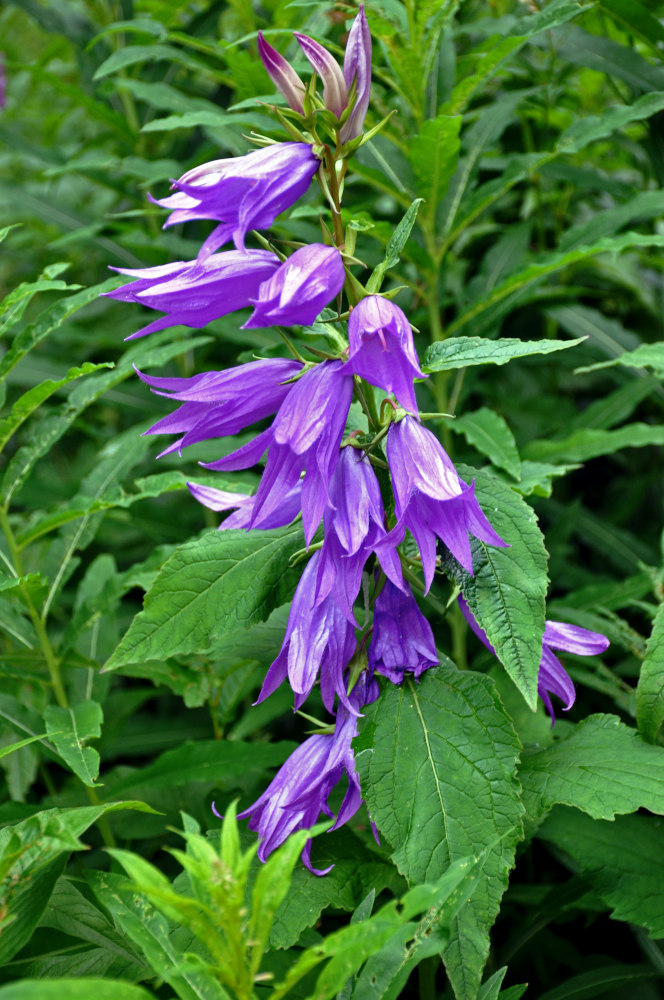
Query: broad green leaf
(593, 127)
(437, 765)
(487, 431)
(506, 594)
(603, 768)
(650, 689)
(462, 352)
(209, 587)
(33, 398)
(588, 443)
(434, 153)
(514, 286)
(6, 750)
(74, 989)
(622, 860)
(537, 478)
(645, 356)
(69, 729)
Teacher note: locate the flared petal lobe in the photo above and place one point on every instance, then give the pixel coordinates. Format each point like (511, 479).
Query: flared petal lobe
(282, 74)
(357, 66)
(402, 640)
(382, 350)
(194, 293)
(297, 292)
(242, 192)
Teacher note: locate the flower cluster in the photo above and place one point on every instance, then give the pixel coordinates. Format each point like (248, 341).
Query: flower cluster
(315, 467)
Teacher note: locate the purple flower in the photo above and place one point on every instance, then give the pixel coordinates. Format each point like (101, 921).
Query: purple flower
(335, 95)
(297, 292)
(218, 404)
(243, 506)
(354, 525)
(430, 498)
(402, 639)
(282, 74)
(304, 437)
(382, 349)
(552, 677)
(300, 791)
(242, 192)
(357, 66)
(319, 640)
(194, 293)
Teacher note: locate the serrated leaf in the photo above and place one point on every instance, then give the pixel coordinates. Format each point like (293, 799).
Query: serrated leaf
(650, 689)
(603, 768)
(437, 767)
(69, 729)
(590, 442)
(506, 594)
(463, 352)
(208, 587)
(487, 431)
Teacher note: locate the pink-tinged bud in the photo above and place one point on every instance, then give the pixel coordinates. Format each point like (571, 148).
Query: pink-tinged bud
(282, 74)
(357, 66)
(335, 93)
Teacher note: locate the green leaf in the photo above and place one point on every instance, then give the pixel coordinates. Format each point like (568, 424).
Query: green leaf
(645, 205)
(33, 398)
(593, 127)
(434, 153)
(650, 689)
(487, 431)
(208, 587)
(644, 356)
(6, 750)
(603, 768)
(614, 58)
(129, 55)
(590, 442)
(611, 979)
(74, 989)
(69, 729)
(395, 245)
(635, 17)
(437, 765)
(506, 594)
(462, 352)
(537, 478)
(15, 303)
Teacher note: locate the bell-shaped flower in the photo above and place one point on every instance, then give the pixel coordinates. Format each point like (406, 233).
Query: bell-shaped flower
(401, 640)
(319, 642)
(300, 289)
(223, 403)
(305, 437)
(301, 789)
(194, 293)
(430, 498)
(382, 350)
(335, 94)
(282, 74)
(552, 677)
(354, 525)
(242, 192)
(357, 66)
(242, 505)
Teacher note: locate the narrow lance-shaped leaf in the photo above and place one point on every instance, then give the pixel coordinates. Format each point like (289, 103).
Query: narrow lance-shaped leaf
(650, 689)
(463, 352)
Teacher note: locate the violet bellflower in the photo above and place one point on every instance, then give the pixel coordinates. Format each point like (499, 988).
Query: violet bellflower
(223, 403)
(300, 790)
(242, 192)
(357, 66)
(319, 642)
(305, 437)
(299, 289)
(282, 74)
(552, 677)
(242, 505)
(401, 640)
(335, 94)
(430, 498)
(382, 350)
(194, 293)
(354, 527)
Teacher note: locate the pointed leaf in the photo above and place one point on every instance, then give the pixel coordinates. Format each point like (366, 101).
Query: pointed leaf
(462, 352)
(650, 689)
(487, 431)
(68, 729)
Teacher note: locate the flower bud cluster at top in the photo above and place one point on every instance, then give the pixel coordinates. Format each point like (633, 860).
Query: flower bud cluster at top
(315, 468)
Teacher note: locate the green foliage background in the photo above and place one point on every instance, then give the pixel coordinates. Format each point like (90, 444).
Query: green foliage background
(535, 139)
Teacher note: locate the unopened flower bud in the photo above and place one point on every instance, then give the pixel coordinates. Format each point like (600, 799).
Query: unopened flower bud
(282, 74)
(335, 93)
(357, 66)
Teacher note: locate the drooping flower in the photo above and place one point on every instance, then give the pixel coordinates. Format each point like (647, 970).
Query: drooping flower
(335, 94)
(242, 505)
(282, 74)
(402, 640)
(357, 66)
(298, 290)
(242, 192)
(382, 350)
(304, 437)
(319, 642)
(430, 498)
(300, 791)
(194, 293)
(552, 677)
(219, 404)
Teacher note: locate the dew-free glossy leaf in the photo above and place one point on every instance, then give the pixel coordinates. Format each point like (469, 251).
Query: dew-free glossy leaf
(462, 352)
(69, 729)
(487, 431)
